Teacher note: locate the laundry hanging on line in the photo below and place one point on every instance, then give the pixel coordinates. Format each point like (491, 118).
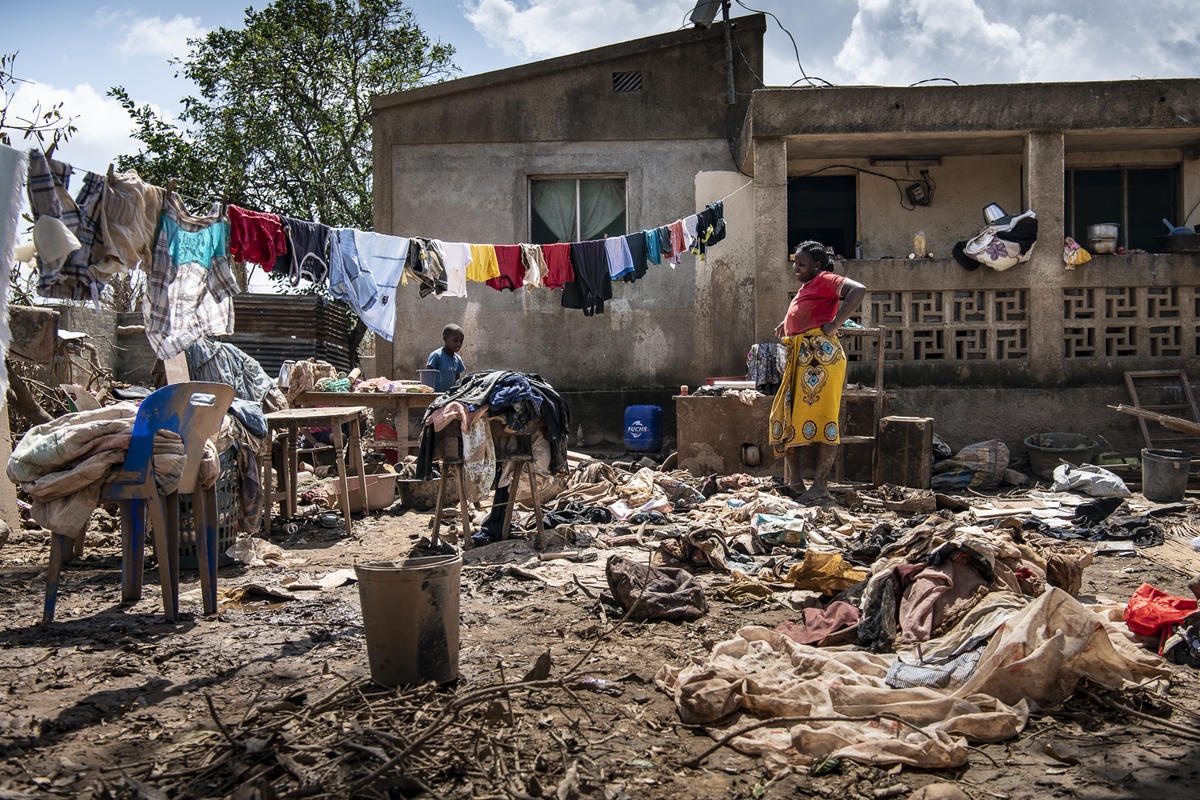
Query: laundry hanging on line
(117, 223)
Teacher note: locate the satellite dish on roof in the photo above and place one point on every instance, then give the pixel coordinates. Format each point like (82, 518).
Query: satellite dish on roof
(705, 12)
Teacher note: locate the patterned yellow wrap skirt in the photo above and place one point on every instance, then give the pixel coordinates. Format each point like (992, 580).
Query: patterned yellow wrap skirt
(809, 399)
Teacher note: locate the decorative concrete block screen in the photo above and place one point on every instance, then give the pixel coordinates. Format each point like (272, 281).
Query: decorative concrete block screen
(947, 325)
(950, 325)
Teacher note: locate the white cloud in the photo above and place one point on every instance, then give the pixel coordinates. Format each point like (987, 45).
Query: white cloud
(902, 41)
(154, 36)
(103, 127)
(547, 28)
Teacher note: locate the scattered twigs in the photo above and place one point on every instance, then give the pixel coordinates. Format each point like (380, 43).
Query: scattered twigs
(1165, 726)
(727, 738)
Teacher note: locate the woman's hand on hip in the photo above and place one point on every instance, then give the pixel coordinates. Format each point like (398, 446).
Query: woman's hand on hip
(779, 331)
(830, 328)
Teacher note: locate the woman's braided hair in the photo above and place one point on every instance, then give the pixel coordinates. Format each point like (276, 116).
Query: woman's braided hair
(819, 252)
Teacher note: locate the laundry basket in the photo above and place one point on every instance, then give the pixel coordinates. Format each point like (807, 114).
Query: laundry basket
(227, 515)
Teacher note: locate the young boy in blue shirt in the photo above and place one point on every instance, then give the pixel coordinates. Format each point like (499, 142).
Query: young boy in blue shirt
(446, 359)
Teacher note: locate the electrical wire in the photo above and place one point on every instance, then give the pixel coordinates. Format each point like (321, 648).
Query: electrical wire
(795, 48)
(931, 80)
(907, 206)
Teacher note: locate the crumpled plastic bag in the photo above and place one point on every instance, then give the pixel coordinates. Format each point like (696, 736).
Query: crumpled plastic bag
(1088, 479)
(261, 553)
(1074, 255)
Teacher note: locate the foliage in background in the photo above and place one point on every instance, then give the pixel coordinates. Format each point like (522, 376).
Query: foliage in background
(48, 128)
(281, 122)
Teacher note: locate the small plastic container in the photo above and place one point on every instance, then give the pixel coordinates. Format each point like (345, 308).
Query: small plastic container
(643, 428)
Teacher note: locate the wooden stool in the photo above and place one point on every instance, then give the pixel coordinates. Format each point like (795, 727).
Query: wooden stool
(521, 463)
(450, 444)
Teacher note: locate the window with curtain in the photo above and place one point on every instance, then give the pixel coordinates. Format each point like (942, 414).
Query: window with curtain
(576, 209)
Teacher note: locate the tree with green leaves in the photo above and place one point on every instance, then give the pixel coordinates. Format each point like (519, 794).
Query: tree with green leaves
(281, 122)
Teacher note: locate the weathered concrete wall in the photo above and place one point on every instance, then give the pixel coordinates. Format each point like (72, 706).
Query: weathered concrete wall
(571, 98)
(963, 415)
(660, 331)
(137, 358)
(965, 184)
(100, 326)
(1145, 104)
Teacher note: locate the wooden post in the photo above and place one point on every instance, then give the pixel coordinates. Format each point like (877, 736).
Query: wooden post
(10, 515)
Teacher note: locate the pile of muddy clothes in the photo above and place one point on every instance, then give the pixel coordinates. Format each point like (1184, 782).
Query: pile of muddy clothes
(491, 415)
(927, 621)
(64, 464)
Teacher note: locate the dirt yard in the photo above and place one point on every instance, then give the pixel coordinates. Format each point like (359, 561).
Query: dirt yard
(272, 698)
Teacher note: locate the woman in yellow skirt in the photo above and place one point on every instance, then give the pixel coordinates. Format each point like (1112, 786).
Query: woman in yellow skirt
(809, 400)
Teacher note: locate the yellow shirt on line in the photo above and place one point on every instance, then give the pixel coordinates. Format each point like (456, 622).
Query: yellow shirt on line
(483, 265)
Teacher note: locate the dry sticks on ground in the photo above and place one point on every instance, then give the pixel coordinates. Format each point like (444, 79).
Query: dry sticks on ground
(364, 741)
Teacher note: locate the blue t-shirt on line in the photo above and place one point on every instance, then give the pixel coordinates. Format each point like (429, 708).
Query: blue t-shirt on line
(449, 367)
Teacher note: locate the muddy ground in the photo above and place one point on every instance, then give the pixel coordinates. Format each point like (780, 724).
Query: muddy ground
(110, 701)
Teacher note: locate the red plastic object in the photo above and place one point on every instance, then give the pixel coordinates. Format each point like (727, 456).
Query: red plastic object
(386, 433)
(1150, 610)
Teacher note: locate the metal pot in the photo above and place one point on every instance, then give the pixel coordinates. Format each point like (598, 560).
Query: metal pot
(1103, 230)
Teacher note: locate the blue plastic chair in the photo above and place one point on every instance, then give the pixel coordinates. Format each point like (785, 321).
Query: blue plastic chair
(194, 411)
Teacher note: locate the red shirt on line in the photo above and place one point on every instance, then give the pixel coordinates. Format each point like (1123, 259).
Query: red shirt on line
(815, 304)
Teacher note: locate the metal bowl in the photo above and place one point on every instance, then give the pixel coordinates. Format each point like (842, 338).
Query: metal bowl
(1103, 230)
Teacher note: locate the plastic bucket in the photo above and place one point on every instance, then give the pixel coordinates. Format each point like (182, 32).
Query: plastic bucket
(643, 428)
(1165, 474)
(410, 613)
(1046, 450)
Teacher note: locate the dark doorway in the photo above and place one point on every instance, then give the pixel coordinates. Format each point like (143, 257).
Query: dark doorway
(823, 208)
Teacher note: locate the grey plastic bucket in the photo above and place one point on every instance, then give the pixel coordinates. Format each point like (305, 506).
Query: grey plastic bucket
(410, 613)
(1165, 474)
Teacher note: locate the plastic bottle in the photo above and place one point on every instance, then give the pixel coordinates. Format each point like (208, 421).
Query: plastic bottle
(919, 249)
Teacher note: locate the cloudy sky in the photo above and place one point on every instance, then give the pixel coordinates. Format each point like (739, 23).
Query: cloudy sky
(73, 51)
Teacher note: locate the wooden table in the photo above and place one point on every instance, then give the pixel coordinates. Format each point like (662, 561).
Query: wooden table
(290, 421)
(399, 403)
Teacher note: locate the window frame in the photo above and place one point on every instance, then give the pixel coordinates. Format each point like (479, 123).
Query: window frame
(577, 177)
(1069, 193)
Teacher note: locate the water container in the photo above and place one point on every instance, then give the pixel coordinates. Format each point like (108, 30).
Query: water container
(643, 428)
(410, 617)
(1165, 474)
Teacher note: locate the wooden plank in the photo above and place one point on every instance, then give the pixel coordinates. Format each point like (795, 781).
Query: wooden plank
(176, 369)
(10, 514)
(1167, 421)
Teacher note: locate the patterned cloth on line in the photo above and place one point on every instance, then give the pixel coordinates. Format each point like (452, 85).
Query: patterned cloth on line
(189, 299)
(49, 196)
(809, 399)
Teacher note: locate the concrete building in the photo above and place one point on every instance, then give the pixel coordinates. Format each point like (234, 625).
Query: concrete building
(986, 353)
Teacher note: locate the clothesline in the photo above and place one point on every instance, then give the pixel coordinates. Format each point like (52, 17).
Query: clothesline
(117, 223)
(224, 201)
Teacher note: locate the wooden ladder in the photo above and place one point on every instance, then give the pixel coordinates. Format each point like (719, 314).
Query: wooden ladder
(877, 335)
(1166, 381)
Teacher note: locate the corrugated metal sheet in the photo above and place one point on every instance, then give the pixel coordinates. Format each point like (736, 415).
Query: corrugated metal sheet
(275, 328)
